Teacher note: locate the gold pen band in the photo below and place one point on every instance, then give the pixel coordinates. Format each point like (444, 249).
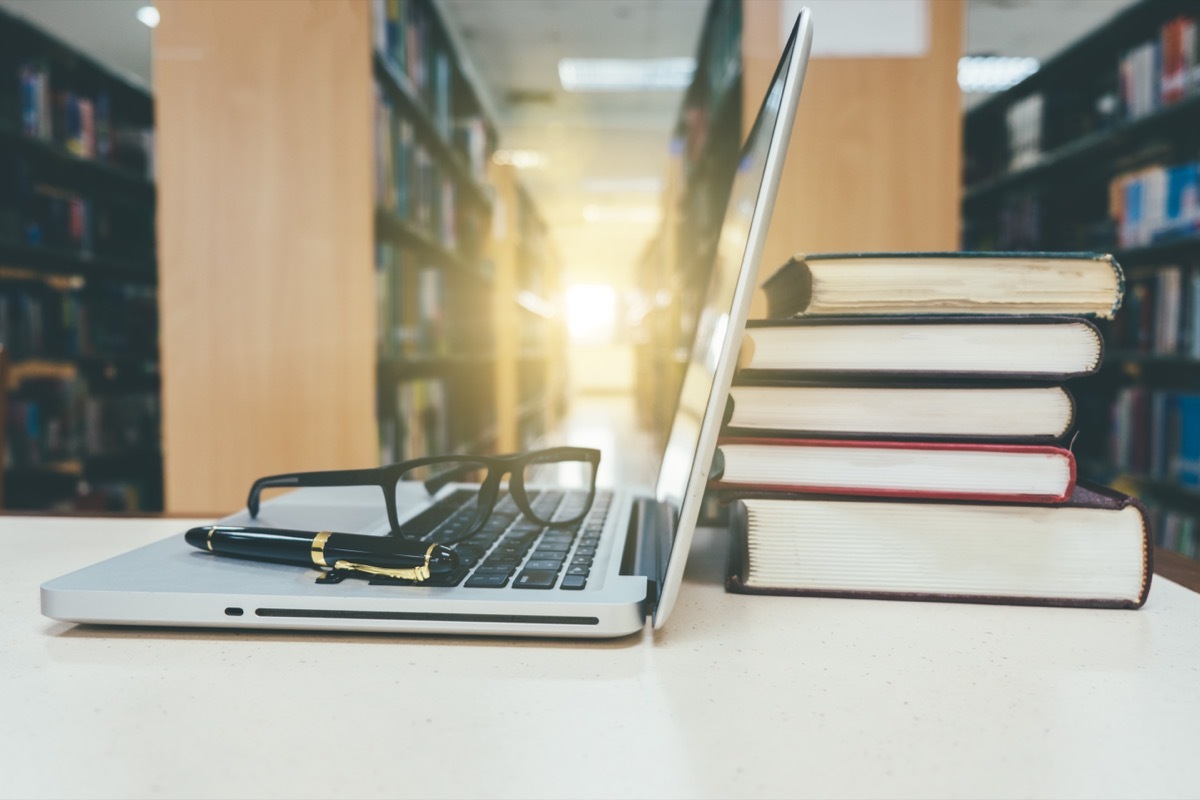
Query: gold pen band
(208, 539)
(318, 549)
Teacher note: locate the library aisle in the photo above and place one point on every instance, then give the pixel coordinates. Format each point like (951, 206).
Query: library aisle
(610, 424)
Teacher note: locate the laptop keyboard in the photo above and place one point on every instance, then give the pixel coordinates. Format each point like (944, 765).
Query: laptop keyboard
(512, 550)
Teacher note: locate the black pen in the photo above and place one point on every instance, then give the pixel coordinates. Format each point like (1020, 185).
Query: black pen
(387, 556)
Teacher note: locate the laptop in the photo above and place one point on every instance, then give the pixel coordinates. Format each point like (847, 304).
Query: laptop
(631, 547)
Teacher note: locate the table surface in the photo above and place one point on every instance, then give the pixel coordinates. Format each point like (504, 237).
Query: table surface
(738, 696)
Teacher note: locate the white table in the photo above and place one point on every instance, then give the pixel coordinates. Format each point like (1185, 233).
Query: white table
(740, 696)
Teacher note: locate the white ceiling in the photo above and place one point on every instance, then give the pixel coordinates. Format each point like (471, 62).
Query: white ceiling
(614, 137)
(1037, 28)
(107, 30)
(514, 47)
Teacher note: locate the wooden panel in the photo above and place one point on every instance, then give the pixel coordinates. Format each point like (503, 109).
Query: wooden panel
(267, 285)
(874, 160)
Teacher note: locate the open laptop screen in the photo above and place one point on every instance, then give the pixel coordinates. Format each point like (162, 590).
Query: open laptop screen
(690, 446)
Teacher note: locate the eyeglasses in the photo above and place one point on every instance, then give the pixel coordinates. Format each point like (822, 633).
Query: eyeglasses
(419, 480)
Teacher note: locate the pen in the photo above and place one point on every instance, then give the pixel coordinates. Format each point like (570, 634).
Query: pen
(374, 555)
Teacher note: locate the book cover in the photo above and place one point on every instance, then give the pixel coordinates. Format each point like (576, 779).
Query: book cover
(919, 550)
(927, 346)
(899, 411)
(1016, 473)
(946, 283)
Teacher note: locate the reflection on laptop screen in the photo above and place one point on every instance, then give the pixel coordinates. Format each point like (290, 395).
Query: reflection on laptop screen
(682, 444)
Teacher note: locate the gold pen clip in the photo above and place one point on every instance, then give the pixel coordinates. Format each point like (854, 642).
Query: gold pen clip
(419, 573)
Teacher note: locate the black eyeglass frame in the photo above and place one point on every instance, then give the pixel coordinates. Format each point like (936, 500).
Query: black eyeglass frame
(388, 476)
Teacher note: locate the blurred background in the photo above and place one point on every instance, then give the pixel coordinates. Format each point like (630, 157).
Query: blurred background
(266, 236)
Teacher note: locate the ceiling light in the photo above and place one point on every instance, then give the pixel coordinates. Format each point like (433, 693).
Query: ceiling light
(148, 16)
(625, 74)
(622, 214)
(993, 73)
(521, 159)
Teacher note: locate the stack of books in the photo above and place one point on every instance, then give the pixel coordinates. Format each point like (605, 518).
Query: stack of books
(896, 430)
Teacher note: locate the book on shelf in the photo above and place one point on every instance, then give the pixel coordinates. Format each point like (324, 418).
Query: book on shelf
(36, 113)
(1156, 203)
(1040, 347)
(1161, 71)
(52, 420)
(431, 327)
(1140, 83)
(1156, 433)
(1177, 531)
(471, 138)
(946, 283)
(1161, 315)
(982, 411)
(934, 470)
(1093, 550)
(416, 423)
(1019, 222)
(1024, 119)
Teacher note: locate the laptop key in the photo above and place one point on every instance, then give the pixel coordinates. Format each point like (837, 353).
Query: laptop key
(496, 568)
(536, 579)
(468, 553)
(578, 570)
(487, 581)
(573, 582)
(544, 564)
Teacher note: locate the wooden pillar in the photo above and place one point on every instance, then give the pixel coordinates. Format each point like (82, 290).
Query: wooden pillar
(264, 144)
(875, 158)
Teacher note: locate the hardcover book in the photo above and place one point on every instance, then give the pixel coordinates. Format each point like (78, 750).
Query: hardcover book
(933, 470)
(946, 283)
(978, 411)
(1036, 347)
(1093, 550)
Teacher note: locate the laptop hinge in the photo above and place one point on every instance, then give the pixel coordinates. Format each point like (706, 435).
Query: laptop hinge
(648, 545)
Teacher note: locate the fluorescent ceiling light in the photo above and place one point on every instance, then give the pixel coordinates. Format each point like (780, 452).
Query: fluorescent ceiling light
(622, 214)
(148, 16)
(625, 74)
(993, 73)
(521, 159)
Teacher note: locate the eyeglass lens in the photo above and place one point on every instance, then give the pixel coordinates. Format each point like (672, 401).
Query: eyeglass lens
(419, 484)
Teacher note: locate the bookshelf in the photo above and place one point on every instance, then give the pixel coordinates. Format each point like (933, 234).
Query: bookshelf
(530, 340)
(1096, 151)
(436, 341)
(78, 276)
(676, 262)
(872, 165)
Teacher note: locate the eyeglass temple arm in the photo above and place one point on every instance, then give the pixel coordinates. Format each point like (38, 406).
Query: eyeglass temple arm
(344, 477)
